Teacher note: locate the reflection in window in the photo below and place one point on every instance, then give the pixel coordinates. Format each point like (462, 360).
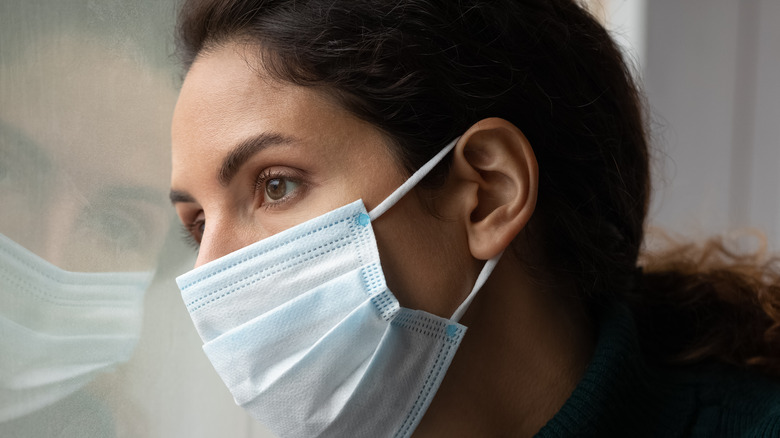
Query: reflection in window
(86, 94)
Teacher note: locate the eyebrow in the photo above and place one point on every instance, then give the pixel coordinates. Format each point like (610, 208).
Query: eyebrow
(236, 158)
(17, 145)
(244, 151)
(38, 159)
(177, 196)
(148, 194)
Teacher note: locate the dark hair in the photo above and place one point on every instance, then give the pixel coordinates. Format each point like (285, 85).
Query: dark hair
(424, 71)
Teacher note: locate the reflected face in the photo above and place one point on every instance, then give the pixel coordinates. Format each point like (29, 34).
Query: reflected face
(253, 156)
(83, 160)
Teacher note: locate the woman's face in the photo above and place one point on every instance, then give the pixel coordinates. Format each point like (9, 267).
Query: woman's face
(253, 156)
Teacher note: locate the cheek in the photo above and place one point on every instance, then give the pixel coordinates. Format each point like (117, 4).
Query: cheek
(425, 260)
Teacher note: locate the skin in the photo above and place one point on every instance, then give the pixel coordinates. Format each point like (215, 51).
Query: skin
(526, 347)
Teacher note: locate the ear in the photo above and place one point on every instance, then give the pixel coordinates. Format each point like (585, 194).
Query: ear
(499, 166)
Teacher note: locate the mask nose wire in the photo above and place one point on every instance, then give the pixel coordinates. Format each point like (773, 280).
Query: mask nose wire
(408, 185)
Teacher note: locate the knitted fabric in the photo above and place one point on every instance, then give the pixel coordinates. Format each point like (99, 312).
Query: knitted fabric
(622, 395)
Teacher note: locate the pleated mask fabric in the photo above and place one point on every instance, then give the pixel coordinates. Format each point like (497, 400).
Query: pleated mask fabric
(60, 329)
(305, 333)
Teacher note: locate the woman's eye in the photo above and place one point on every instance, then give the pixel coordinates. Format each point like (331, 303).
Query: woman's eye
(193, 231)
(278, 188)
(114, 231)
(198, 228)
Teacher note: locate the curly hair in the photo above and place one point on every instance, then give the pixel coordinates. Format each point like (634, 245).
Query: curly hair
(707, 300)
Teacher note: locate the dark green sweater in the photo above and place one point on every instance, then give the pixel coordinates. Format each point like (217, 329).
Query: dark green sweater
(621, 395)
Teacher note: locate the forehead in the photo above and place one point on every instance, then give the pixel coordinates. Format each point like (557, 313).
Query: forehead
(227, 98)
(222, 94)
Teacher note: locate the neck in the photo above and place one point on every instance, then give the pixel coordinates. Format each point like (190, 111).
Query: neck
(526, 349)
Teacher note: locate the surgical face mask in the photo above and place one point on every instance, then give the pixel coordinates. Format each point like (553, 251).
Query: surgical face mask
(59, 329)
(308, 338)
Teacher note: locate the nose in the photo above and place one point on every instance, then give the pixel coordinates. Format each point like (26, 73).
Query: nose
(220, 238)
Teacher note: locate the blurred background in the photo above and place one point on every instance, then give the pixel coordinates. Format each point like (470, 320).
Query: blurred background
(711, 74)
(87, 88)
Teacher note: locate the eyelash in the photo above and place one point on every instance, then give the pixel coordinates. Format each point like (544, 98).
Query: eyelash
(188, 236)
(190, 230)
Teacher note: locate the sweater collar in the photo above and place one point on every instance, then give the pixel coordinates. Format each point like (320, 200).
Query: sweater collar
(619, 393)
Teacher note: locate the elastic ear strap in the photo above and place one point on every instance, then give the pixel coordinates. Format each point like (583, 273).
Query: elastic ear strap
(481, 279)
(409, 184)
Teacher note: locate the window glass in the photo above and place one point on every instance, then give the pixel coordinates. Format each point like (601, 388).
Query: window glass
(92, 343)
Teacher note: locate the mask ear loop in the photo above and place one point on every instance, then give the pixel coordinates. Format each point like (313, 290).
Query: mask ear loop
(407, 186)
(481, 280)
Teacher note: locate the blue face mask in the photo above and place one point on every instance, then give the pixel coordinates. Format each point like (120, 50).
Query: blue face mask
(306, 335)
(60, 329)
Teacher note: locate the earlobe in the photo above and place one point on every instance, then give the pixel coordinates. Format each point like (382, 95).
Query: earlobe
(498, 160)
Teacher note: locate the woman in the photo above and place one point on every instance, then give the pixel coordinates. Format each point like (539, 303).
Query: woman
(300, 128)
